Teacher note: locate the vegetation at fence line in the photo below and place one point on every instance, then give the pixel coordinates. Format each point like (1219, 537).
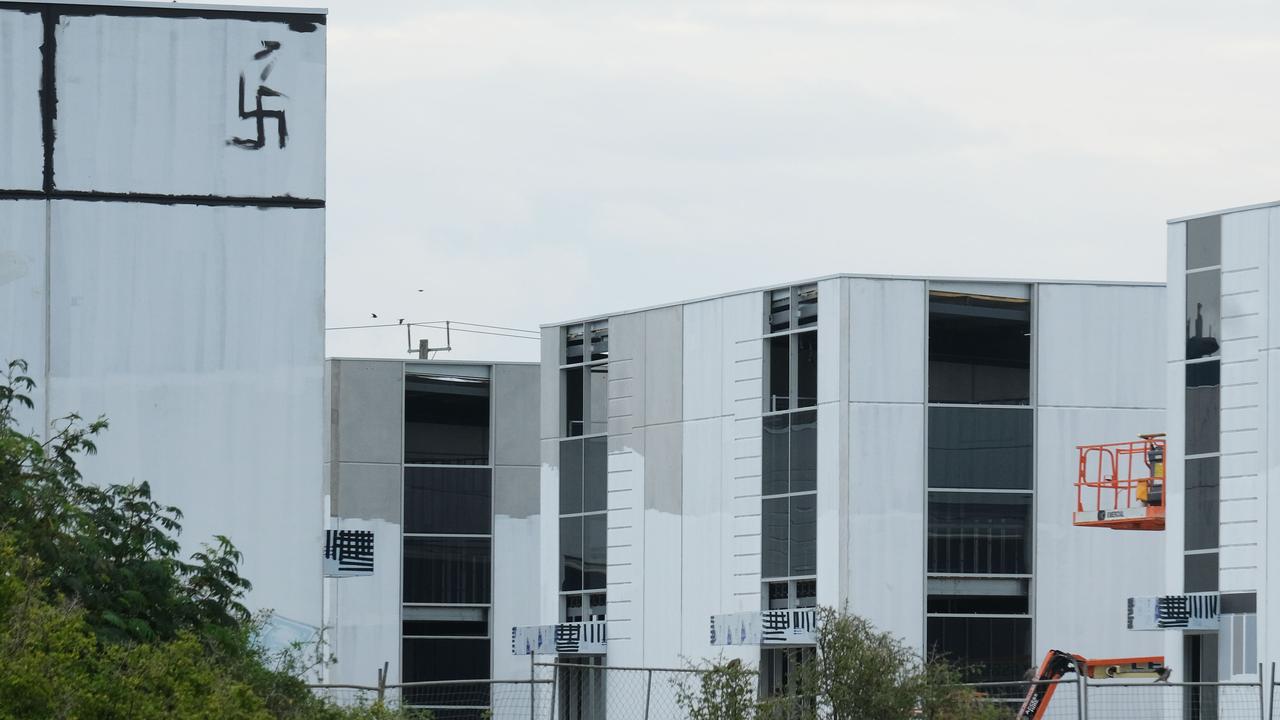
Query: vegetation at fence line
(721, 690)
(102, 617)
(856, 673)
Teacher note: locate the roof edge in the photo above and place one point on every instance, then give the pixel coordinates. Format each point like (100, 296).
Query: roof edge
(856, 276)
(1228, 211)
(167, 8)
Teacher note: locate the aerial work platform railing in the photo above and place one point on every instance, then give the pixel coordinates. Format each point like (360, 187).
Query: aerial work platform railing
(1122, 485)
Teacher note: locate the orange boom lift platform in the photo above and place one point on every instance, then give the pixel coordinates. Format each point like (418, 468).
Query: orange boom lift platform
(1121, 485)
(1058, 663)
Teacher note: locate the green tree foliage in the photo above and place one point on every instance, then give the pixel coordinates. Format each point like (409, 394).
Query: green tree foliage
(718, 691)
(101, 617)
(855, 673)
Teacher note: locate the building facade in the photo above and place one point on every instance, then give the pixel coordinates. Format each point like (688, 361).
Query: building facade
(439, 462)
(162, 236)
(902, 447)
(1223, 335)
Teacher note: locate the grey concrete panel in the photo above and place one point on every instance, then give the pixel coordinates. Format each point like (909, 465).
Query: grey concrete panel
(663, 468)
(368, 492)
(664, 365)
(516, 491)
(367, 421)
(627, 384)
(550, 370)
(516, 396)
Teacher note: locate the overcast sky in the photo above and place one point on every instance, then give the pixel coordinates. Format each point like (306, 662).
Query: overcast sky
(527, 162)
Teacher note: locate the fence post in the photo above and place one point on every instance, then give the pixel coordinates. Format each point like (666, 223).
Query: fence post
(533, 686)
(1082, 694)
(382, 682)
(555, 689)
(1271, 695)
(648, 690)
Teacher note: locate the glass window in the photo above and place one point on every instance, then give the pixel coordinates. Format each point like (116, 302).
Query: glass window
(1201, 504)
(1200, 572)
(804, 451)
(598, 405)
(979, 604)
(573, 402)
(571, 476)
(596, 476)
(775, 456)
(446, 570)
(1204, 313)
(596, 606)
(573, 339)
(806, 369)
(979, 350)
(571, 553)
(446, 659)
(991, 649)
(986, 533)
(600, 340)
(594, 539)
(806, 593)
(980, 448)
(774, 539)
(779, 310)
(446, 420)
(803, 529)
(807, 302)
(1204, 242)
(448, 501)
(446, 628)
(1202, 410)
(778, 392)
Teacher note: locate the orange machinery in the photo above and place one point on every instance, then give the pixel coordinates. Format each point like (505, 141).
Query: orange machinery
(1058, 663)
(1121, 485)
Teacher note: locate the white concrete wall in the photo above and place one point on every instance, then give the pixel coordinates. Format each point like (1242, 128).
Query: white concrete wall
(197, 329)
(152, 105)
(21, 152)
(1099, 378)
(885, 552)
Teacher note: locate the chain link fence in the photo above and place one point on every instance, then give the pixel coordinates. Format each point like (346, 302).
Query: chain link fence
(568, 691)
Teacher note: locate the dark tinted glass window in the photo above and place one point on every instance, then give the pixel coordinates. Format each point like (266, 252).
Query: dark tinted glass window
(806, 369)
(595, 479)
(1204, 242)
(447, 501)
(1201, 504)
(1200, 572)
(447, 628)
(571, 553)
(573, 402)
(807, 310)
(778, 391)
(774, 540)
(600, 340)
(804, 451)
(776, 455)
(980, 448)
(979, 533)
(979, 604)
(594, 551)
(571, 472)
(1202, 410)
(803, 530)
(446, 570)
(1204, 313)
(573, 340)
(979, 350)
(446, 420)
(779, 310)
(993, 649)
(445, 659)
